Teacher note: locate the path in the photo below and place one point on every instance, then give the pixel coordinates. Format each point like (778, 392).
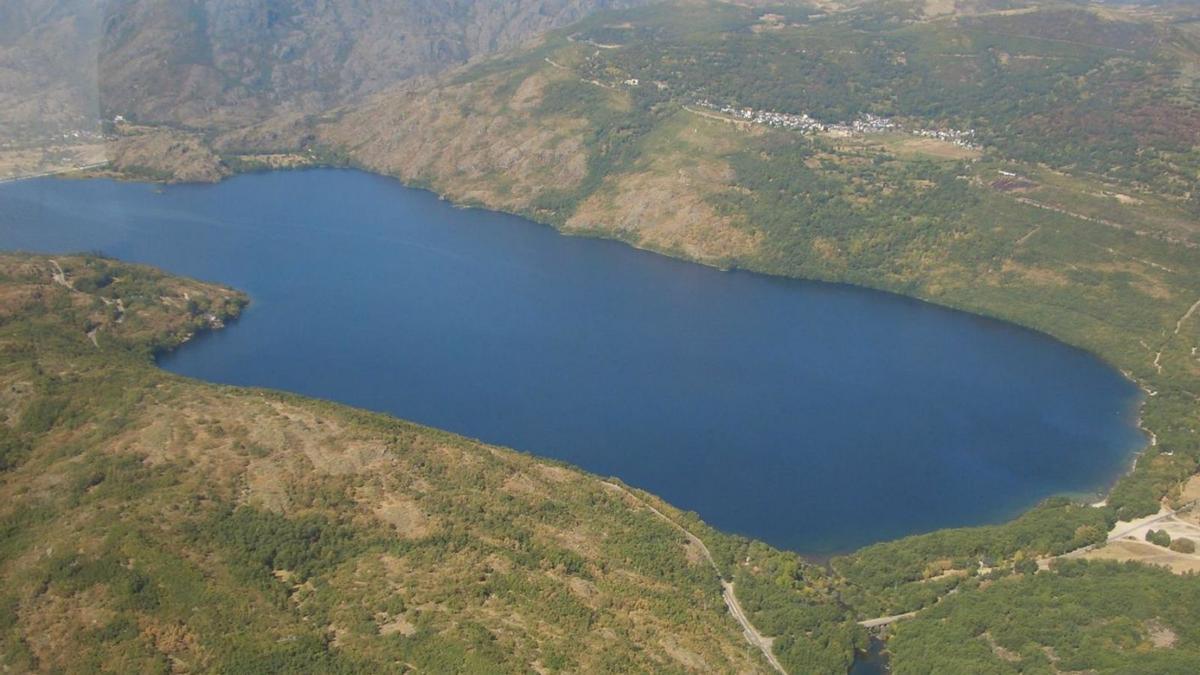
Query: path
(1187, 315)
(1178, 327)
(1150, 263)
(60, 278)
(1108, 223)
(582, 79)
(727, 593)
(1089, 45)
(1032, 232)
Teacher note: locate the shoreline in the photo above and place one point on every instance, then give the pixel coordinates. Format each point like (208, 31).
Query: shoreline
(1151, 439)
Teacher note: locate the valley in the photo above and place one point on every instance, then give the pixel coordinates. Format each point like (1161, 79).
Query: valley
(1070, 208)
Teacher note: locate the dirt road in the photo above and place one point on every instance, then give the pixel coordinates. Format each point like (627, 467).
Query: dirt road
(727, 592)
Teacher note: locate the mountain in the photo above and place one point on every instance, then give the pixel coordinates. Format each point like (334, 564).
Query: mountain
(64, 64)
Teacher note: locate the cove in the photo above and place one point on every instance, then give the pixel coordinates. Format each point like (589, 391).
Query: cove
(816, 417)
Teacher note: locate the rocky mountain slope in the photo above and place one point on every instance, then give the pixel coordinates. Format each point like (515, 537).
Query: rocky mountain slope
(64, 64)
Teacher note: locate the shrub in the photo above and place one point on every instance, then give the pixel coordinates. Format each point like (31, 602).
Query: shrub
(1158, 537)
(1182, 545)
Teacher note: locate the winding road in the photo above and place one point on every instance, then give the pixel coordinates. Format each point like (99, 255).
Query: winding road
(735, 608)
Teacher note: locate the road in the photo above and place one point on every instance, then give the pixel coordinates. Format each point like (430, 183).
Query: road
(1136, 527)
(1140, 523)
(727, 593)
(56, 172)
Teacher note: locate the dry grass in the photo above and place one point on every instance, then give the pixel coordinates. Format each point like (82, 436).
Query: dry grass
(1137, 551)
(1190, 492)
(466, 141)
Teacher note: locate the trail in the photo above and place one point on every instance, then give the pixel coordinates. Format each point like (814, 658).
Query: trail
(1149, 263)
(1032, 232)
(727, 593)
(1178, 327)
(60, 278)
(1108, 223)
(595, 82)
(1076, 43)
(1134, 527)
(1186, 315)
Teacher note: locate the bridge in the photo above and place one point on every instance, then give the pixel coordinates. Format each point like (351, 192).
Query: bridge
(885, 621)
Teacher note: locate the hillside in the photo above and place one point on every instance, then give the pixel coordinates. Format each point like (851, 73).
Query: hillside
(68, 66)
(155, 523)
(1034, 161)
(609, 128)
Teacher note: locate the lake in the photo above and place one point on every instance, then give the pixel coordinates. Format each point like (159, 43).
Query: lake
(816, 417)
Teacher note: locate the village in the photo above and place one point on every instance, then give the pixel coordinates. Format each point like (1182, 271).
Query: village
(37, 139)
(864, 124)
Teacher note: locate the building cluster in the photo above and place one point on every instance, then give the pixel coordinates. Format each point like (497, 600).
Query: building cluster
(82, 135)
(801, 122)
(864, 124)
(70, 136)
(959, 137)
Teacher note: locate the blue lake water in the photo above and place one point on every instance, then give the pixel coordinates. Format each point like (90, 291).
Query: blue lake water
(816, 417)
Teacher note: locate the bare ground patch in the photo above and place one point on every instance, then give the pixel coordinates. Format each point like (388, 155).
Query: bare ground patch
(669, 211)
(1137, 551)
(404, 515)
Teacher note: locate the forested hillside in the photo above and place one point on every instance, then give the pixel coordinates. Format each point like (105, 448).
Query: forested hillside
(152, 523)
(1034, 161)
